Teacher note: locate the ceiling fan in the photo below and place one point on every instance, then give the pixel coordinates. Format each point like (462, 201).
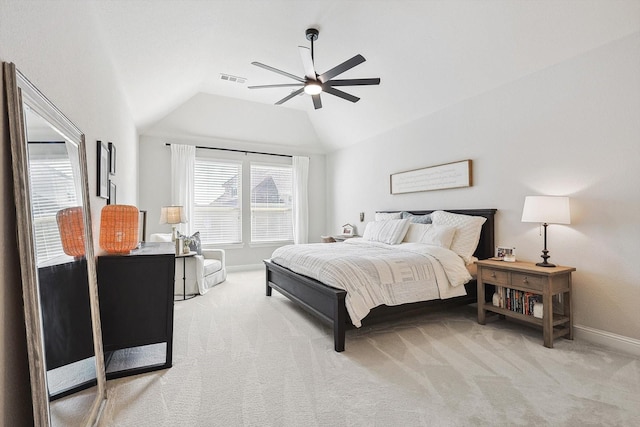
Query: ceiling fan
(313, 83)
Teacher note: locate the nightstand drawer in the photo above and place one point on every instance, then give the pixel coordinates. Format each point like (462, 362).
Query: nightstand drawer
(496, 277)
(529, 281)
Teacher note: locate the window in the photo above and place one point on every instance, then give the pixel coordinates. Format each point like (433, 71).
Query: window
(52, 189)
(217, 212)
(271, 203)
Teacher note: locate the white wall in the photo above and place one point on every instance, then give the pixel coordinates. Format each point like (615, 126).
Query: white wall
(69, 66)
(155, 187)
(238, 120)
(571, 129)
(71, 69)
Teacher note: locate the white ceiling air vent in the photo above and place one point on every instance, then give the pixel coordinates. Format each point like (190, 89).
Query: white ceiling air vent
(233, 79)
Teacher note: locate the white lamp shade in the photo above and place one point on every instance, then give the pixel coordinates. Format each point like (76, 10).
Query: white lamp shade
(172, 215)
(546, 209)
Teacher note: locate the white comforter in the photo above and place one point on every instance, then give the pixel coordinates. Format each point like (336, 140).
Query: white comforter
(376, 273)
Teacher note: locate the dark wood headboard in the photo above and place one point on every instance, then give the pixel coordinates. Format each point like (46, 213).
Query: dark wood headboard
(486, 246)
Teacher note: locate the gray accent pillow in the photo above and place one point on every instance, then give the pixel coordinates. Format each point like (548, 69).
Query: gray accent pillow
(418, 219)
(193, 241)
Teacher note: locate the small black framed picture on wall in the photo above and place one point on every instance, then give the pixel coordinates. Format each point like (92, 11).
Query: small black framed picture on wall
(112, 193)
(103, 170)
(112, 158)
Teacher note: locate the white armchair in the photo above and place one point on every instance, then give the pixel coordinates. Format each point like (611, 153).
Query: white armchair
(201, 272)
(210, 269)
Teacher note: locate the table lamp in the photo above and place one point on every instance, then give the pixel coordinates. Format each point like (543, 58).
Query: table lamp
(172, 215)
(119, 228)
(546, 210)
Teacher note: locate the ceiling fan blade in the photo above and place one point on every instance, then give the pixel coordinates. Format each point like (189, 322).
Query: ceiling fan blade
(291, 95)
(340, 94)
(275, 70)
(307, 62)
(317, 103)
(346, 65)
(353, 82)
(278, 85)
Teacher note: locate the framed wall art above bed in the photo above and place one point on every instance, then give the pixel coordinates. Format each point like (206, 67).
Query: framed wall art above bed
(438, 177)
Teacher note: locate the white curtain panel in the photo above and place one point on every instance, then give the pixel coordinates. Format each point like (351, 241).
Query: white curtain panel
(183, 160)
(300, 199)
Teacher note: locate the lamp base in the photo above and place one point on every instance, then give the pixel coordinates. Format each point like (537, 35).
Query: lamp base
(545, 264)
(545, 256)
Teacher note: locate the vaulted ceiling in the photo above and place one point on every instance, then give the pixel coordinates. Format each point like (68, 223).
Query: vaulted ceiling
(170, 55)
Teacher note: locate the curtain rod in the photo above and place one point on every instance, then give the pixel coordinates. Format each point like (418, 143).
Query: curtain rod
(239, 151)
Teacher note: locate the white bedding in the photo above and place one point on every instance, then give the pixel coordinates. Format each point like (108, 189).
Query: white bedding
(375, 273)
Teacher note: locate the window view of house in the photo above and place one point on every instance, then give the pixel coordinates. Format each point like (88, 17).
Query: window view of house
(219, 199)
(217, 213)
(271, 203)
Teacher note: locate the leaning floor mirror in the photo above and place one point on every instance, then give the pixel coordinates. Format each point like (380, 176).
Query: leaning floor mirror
(58, 270)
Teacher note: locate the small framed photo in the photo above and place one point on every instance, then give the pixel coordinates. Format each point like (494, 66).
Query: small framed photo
(103, 170)
(506, 253)
(112, 158)
(112, 193)
(347, 230)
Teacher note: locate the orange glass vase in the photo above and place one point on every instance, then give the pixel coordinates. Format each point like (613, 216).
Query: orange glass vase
(71, 227)
(119, 228)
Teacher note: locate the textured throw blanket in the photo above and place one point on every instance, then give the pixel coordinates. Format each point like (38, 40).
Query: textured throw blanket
(375, 273)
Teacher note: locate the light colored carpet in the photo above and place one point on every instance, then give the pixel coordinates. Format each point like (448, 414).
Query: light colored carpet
(244, 359)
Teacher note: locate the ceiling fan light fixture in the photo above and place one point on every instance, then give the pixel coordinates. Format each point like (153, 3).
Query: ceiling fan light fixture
(314, 84)
(312, 88)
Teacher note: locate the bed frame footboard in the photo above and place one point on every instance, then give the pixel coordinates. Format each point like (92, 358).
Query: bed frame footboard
(322, 301)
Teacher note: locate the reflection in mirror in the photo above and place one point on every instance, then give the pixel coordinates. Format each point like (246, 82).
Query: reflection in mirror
(57, 259)
(56, 201)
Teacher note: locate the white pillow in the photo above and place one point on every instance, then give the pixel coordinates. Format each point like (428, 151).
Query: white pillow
(383, 216)
(390, 232)
(160, 237)
(467, 235)
(430, 234)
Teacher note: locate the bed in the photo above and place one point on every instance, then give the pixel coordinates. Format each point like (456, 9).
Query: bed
(328, 303)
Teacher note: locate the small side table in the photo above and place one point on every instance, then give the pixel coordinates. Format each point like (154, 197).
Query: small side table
(184, 276)
(529, 278)
(342, 237)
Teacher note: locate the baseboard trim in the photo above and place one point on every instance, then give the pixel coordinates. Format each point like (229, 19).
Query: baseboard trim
(607, 339)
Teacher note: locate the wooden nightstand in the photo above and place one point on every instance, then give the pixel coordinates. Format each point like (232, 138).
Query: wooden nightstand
(524, 279)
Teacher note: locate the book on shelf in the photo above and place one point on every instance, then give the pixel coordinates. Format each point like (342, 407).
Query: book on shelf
(516, 300)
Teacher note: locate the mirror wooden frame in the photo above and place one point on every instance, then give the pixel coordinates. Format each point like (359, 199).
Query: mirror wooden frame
(20, 91)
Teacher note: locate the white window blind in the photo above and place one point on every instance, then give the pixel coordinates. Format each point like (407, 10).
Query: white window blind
(52, 189)
(271, 203)
(217, 213)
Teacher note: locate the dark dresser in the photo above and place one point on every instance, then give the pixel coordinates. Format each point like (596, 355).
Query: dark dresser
(136, 309)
